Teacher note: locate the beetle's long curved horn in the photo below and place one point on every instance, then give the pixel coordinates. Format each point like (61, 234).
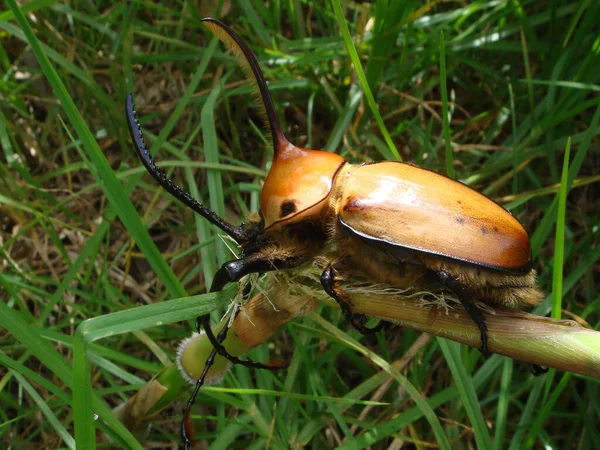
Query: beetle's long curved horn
(254, 75)
(144, 154)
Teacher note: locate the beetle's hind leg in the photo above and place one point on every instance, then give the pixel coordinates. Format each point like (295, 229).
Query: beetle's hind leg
(329, 283)
(467, 301)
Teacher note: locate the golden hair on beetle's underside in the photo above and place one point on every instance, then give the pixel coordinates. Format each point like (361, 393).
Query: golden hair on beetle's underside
(254, 76)
(305, 281)
(491, 286)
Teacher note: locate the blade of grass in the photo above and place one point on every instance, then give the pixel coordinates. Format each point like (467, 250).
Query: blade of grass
(565, 84)
(415, 395)
(30, 338)
(559, 241)
(28, 7)
(105, 175)
(543, 229)
(343, 121)
(526, 414)
(211, 154)
(123, 322)
(445, 117)
(46, 410)
(464, 384)
(503, 403)
(341, 20)
(544, 412)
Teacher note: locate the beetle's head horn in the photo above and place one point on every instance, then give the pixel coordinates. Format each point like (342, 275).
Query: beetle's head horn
(255, 77)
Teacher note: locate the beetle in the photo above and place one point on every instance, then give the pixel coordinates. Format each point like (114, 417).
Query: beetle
(388, 222)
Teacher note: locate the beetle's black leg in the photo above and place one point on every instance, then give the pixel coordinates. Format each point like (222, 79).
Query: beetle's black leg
(233, 271)
(327, 281)
(357, 320)
(465, 298)
(230, 272)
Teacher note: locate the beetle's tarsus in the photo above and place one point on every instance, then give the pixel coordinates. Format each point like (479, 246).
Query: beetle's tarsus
(468, 303)
(538, 370)
(204, 322)
(329, 282)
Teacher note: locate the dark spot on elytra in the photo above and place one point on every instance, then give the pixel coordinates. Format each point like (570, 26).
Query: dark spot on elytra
(288, 207)
(484, 230)
(495, 228)
(459, 202)
(353, 204)
(460, 219)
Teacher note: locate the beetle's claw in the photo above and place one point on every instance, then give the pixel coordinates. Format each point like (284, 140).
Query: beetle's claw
(358, 321)
(469, 304)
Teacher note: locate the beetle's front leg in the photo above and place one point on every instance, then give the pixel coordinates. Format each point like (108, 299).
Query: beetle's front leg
(329, 283)
(467, 301)
(232, 272)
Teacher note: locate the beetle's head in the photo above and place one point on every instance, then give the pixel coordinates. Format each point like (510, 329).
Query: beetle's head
(298, 184)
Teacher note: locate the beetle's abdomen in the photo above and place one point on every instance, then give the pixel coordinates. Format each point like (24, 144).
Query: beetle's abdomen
(402, 207)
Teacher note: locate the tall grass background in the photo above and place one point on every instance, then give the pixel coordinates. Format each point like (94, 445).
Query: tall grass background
(489, 92)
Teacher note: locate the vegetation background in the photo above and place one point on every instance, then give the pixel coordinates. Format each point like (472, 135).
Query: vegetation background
(84, 232)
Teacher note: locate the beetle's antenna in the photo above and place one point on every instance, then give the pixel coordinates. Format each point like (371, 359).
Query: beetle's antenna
(254, 75)
(184, 197)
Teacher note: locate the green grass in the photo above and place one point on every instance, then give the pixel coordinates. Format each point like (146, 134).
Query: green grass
(494, 91)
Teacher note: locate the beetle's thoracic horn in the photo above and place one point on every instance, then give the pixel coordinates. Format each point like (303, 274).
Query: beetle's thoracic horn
(144, 154)
(254, 75)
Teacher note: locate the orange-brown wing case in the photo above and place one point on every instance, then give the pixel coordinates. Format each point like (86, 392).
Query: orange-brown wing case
(404, 206)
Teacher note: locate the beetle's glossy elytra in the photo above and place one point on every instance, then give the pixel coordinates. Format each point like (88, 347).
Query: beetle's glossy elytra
(404, 205)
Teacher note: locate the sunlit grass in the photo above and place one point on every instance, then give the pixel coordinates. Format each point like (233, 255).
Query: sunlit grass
(84, 234)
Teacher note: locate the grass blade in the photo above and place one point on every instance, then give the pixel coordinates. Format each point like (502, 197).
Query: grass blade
(341, 20)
